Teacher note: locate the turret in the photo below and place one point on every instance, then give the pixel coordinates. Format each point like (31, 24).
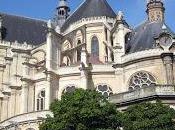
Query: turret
(62, 11)
(155, 10)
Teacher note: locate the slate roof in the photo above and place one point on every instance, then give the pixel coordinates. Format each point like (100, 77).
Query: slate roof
(90, 8)
(143, 36)
(21, 29)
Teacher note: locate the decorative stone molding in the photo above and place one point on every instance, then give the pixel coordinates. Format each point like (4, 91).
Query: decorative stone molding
(143, 94)
(138, 57)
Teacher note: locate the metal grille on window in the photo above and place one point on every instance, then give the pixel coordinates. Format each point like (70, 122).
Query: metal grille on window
(41, 101)
(69, 89)
(141, 79)
(105, 90)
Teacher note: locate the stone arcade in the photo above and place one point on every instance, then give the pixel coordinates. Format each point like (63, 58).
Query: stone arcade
(93, 48)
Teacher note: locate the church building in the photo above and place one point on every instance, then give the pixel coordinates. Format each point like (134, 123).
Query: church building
(91, 48)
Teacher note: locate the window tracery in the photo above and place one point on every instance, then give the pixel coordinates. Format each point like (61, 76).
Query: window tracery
(66, 45)
(105, 90)
(141, 79)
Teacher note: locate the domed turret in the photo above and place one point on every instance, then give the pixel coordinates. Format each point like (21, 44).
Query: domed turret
(155, 10)
(62, 11)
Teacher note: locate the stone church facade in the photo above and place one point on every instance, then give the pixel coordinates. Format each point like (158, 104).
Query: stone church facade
(93, 48)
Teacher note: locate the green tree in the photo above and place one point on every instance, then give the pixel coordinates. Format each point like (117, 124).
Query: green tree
(82, 110)
(149, 116)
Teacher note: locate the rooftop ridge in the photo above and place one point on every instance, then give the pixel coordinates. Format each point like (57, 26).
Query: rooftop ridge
(24, 17)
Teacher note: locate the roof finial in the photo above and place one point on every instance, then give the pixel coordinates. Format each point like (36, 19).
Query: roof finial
(155, 10)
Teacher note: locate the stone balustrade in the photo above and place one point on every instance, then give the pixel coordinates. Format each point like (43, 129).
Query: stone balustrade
(130, 96)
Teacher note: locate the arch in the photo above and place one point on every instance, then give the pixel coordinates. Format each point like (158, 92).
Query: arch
(41, 100)
(141, 79)
(95, 46)
(66, 45)
(104, 89)
(66, 61)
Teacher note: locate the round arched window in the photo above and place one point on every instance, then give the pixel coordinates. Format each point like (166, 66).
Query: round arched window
(69, 89)
(105, 90)
(141, 79)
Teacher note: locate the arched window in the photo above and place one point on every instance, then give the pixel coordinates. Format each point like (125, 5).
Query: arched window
(105, 90)
(41, 101)
(79, 51)
(69, 89)
(66, 61)
(141, 79)
(95, 46)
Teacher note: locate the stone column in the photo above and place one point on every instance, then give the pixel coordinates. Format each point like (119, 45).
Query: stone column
(168, 63)
(49, 47)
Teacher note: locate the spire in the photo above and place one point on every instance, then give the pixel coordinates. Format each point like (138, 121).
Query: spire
(155, 10)
(62, 11)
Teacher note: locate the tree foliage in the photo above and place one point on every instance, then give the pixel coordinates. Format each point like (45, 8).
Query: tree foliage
(149, 116)
(82, 110)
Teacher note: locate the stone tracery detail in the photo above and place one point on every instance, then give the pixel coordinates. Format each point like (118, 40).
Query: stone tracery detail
(104, 89)
(141, 79)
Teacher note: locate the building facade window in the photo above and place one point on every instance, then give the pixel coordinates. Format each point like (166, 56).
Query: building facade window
(41, 101)
(95, 46)
(69, 89)
(105, 90)
(141, 79)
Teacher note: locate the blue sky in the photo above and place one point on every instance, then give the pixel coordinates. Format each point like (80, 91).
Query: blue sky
(134, 10)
